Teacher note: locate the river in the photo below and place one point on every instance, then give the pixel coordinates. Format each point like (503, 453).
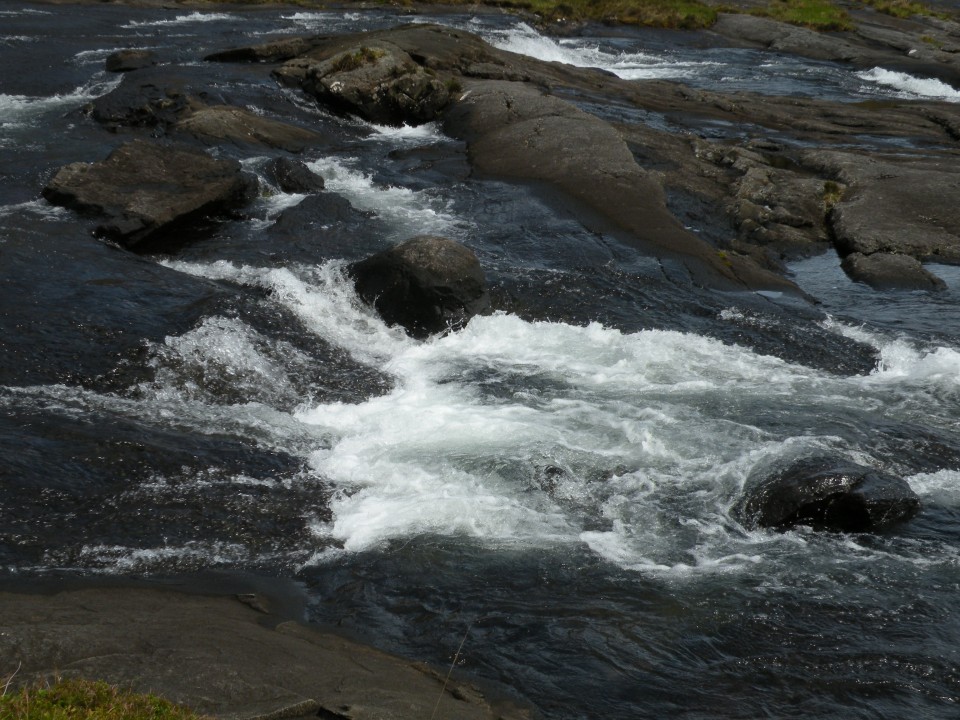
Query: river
(551, 485)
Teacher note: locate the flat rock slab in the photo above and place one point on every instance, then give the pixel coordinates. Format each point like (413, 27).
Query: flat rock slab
(220, 657)
(145, 188)
(242, 127)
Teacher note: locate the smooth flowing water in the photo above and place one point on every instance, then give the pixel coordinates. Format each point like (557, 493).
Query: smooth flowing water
(555, 481)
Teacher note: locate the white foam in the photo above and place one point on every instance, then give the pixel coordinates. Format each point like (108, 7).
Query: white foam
(904, 362)
(224, 351)
(194, 17)
(408, 463)
(322, 298)
(119, 558)
(17, 111)
(409, 135)
(909, 86)
(40, 208)
(406, 212)
(525, 40)
(942, 487)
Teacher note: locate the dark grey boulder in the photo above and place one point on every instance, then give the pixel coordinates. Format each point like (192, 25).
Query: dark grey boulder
(828, 494)
(292, 176)
(127, 60)
(144, 189)
(887, 271)
(379, 82)
(426, 285)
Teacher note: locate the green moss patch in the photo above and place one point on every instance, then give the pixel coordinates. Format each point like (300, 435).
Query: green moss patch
(88, 700)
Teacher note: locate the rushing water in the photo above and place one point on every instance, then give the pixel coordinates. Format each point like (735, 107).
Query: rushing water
(555, 480)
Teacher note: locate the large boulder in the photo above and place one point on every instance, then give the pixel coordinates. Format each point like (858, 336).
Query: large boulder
(146, 188)
(426, 285)
(379, 82)
(828, 494)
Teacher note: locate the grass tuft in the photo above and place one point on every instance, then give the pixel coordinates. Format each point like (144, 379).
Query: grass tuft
(352, 61)
(88, 700)
(820, 15)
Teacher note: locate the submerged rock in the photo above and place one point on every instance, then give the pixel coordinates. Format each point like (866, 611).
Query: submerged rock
(144, 188)
(128, 60)
(887, 271)
(828, 494)
(426, 285)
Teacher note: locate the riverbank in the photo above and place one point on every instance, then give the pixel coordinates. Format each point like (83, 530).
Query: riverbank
(227, 646)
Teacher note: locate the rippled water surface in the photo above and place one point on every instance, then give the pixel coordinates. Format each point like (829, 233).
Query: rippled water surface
(555, 481)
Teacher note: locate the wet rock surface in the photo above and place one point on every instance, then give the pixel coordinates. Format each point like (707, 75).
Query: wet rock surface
(234, 657)
(828, 494)
(756, 201)
(426, 285)
(145, 189)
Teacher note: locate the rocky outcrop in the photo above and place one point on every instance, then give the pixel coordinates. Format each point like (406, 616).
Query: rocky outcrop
(144, 189)
(516, 131)
(379, 82)
(828, 494)
(924, 46)
(166, 100)
(894, 213)
(427, 285)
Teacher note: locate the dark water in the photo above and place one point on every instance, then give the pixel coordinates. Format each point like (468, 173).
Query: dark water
(555, 481)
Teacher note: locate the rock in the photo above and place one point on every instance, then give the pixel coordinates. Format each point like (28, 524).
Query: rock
(514, 130)
(886, 271)
(828, 494)
(242, 127)
(224, 659)
(894, 212)
(427, 285)
(292, 176)
(379, 82)
(275, 51)
(127, 60)
(144, 188)
(149, 97)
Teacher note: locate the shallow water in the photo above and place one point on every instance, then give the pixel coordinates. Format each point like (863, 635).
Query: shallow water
(555, 481)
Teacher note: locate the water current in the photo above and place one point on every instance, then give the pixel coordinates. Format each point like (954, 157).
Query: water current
(555, 481)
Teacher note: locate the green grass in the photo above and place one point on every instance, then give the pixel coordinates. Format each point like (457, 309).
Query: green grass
(903, 8)
(87, 700)
(681, 14)
(363, 56)
(820, 15)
